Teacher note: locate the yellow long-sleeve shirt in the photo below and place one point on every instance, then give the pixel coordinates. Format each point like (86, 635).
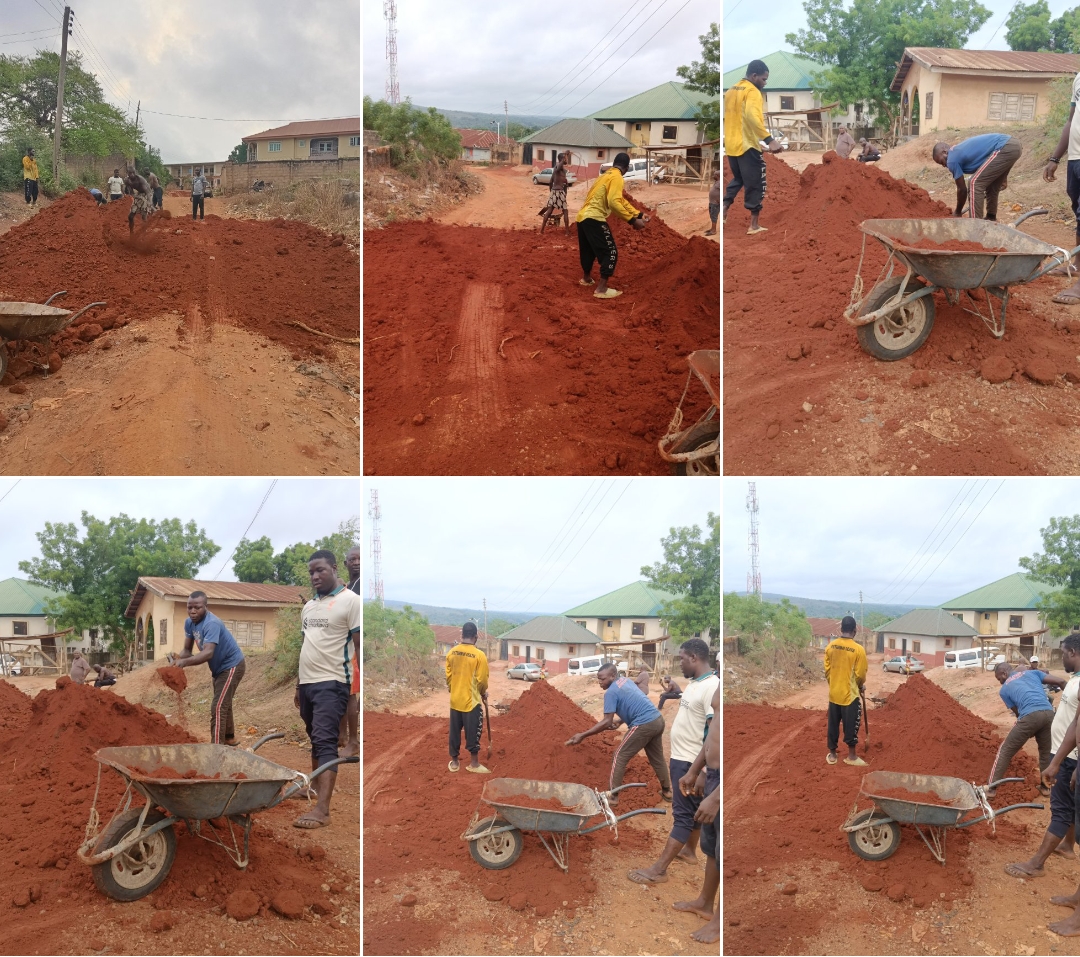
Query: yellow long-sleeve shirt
(744, 122)
(29, 168)
(466, 676)
(605, 197)
(845, 669)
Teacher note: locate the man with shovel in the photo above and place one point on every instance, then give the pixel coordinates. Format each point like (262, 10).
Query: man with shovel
(467, 682)
(845, 671)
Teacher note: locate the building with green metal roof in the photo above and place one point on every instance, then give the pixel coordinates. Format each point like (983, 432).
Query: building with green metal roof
(1007, 610)
(590, 142)
(927, 633)
(661, 116)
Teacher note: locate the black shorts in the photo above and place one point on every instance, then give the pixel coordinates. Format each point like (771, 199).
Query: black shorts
(322, 706)
(683, 808)
(708, 831)
(1062, 804)
(1072, 187)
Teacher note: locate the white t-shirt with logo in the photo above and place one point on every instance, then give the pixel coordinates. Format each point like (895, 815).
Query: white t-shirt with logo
(1065, 714)
(688, 728)
(330, 624)
(116, 185)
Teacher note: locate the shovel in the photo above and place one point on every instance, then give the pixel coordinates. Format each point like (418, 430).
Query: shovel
(487, 721)
(866, 720)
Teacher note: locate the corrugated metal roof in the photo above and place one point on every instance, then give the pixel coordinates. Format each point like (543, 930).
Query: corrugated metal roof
(477, 139)
(930, 622)
(553, 629)
(217, 591)
(1012, 593)
(20, 597)
(350, 124)
(668, 101)
(637, 600)
(787, 71)
(451, 634)
(986, 61)
(588, 133)
(824, 627)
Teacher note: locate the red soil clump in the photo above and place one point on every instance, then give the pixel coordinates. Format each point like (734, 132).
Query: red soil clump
(230, 269)
(953, 245)
(534, 803)
(582, 384)
(783, 807)
(405, 761)
(165, 773)
(916, 797)
(173, 677)
(786, 342)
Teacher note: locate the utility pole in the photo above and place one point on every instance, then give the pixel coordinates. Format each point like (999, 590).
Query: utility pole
(393, 94)
(376, 589)
(753, 577)
(64, 31)
(485, 618)
(861, 625)
(506, 112)
(137, 109)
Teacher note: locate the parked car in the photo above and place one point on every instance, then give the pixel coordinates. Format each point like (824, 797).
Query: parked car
(970, 658)
(543, 178)
(526, 671)
(992, 663)
(590, 664)
(903, 665)
(9, 665)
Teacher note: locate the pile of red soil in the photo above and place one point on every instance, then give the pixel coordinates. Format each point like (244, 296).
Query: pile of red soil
(165, 773)
(953, 245)
(786, 342)
(173, 677)
(421, 808)
(48, 789)
(584, 384)
(916, 797)
(258, 275)
(535, 803)
(783, 807)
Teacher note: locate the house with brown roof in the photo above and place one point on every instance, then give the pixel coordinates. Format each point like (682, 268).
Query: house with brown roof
(446, 636)
(823, 630)
(476, 145)
(249, 611)
(941, 88)
(307, 140)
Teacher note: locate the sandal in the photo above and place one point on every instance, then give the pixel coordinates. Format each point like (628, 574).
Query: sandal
(667, 795)
(582, 282)
(830, 758)
(608, 293)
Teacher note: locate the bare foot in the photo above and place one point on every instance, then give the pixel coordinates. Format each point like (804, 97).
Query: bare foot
(694, 907)
(690, 858)
(1023, 870)
(1069, 927)
(1065, 852)
(1073, 900)
(710, 933)
(350, 750)
(644, 875)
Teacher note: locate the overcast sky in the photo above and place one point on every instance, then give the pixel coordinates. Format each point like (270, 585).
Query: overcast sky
(454, 542)
(539, 57)
(298, 510)
(256, 63)
(748, 35)
(828, 538)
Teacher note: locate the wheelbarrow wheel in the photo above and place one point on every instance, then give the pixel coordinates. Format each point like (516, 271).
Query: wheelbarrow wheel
(698, 437)
(496, 852)
(143, 866)
(904, 330)
(876, 841)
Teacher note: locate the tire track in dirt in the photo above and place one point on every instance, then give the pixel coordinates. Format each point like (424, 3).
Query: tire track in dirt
(738, 786)
(379, 771)
(475, 369)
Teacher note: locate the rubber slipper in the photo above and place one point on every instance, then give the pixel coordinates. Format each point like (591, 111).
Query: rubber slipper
(607, 294)
(760, 229)
(479, 769)
(667, 795)
(856, 762)
(450, 766)
(830, 758)
(1014, 870)
(309, 824)
(582, 282)
(1066, 299)
(638, 878)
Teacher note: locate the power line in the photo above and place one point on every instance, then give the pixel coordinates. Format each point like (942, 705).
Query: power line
(24, 32)
(84, 34)
(248, 529)
(226, 119)
(732, 10)
(1000, 25)
(10, 490)
(29, 39)
(48, 13)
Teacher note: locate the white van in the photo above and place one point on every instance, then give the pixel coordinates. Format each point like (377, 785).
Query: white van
(969, 657)
(639, 170)
(590, 664)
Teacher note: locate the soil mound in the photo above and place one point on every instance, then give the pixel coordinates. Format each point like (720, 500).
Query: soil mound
(14, 709)
(920, 729)
(259, 275)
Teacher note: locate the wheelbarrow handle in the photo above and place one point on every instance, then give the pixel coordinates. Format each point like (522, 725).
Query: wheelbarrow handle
(1054, 263)
(621, 787)
(55, 295)
(623, 817)
(994, 784)
(1004, 810)
(266, 737)
(84, 308)
(293, 788)
(1033, 212)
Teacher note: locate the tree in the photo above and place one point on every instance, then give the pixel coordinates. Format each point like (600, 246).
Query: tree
(254, 561)
(518, 131)
(873, 620)
(416, 137)
(763, 627)
(97, 571)
(1058, 564)
(499, 626)
(860, 47)
(1065, 33)
(706, 77)
(389, 633)
(690, 569)
(238, 154)
(1028, 26)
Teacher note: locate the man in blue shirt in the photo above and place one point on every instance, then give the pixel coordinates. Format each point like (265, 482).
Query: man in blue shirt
(646, 728)
(1024, 693)
(219, 649)
(987, 159)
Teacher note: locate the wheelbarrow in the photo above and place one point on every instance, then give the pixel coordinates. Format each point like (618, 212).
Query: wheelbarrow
(496, 842)
(136, 850)
(696, 450)
(894, 319)
(28, 320)
(874, 833)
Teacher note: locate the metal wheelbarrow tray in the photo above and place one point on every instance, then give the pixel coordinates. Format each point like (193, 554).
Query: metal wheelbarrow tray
(496, 842)
(874, 834)
(895, 318)
(29, 320)
(136, 849)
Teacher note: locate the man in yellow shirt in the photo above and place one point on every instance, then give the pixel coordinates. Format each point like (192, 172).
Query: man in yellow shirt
(744, 132)
(595, 242)
(845, 671)
(30, 178)
(467, 682)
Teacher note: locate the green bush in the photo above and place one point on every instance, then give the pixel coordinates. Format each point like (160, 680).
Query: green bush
(286, 653)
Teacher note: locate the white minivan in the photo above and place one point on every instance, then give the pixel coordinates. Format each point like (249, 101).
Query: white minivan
(969, 657)
(590, 664)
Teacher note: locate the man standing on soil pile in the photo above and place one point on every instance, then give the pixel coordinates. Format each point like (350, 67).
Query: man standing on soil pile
(332, 623)
(557, 194)
(218, 648)
(142, 197)
(845, 143)
(1024, 693)
(744, 132)
(349, 733)
(156, 191)
(80, 668)
(116, 186)
(987, 159)
(30, 179)
(845, 671)
(595, 242)
(198, 197)
(645, 726)
(1060, 832)
(467, 682)
(688, 733)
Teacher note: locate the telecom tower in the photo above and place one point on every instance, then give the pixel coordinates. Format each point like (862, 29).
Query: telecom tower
(753, 577)
(389, 9)
(376, 586)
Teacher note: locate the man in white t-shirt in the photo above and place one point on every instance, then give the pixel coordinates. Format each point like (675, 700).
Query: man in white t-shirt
(1059, 834)
(116, 186)
(1069, 146)
(332, 623)
(687, 736)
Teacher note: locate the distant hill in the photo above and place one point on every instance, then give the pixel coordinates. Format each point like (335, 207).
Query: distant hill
(825, 608)
(464, 120)
(438, 615)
